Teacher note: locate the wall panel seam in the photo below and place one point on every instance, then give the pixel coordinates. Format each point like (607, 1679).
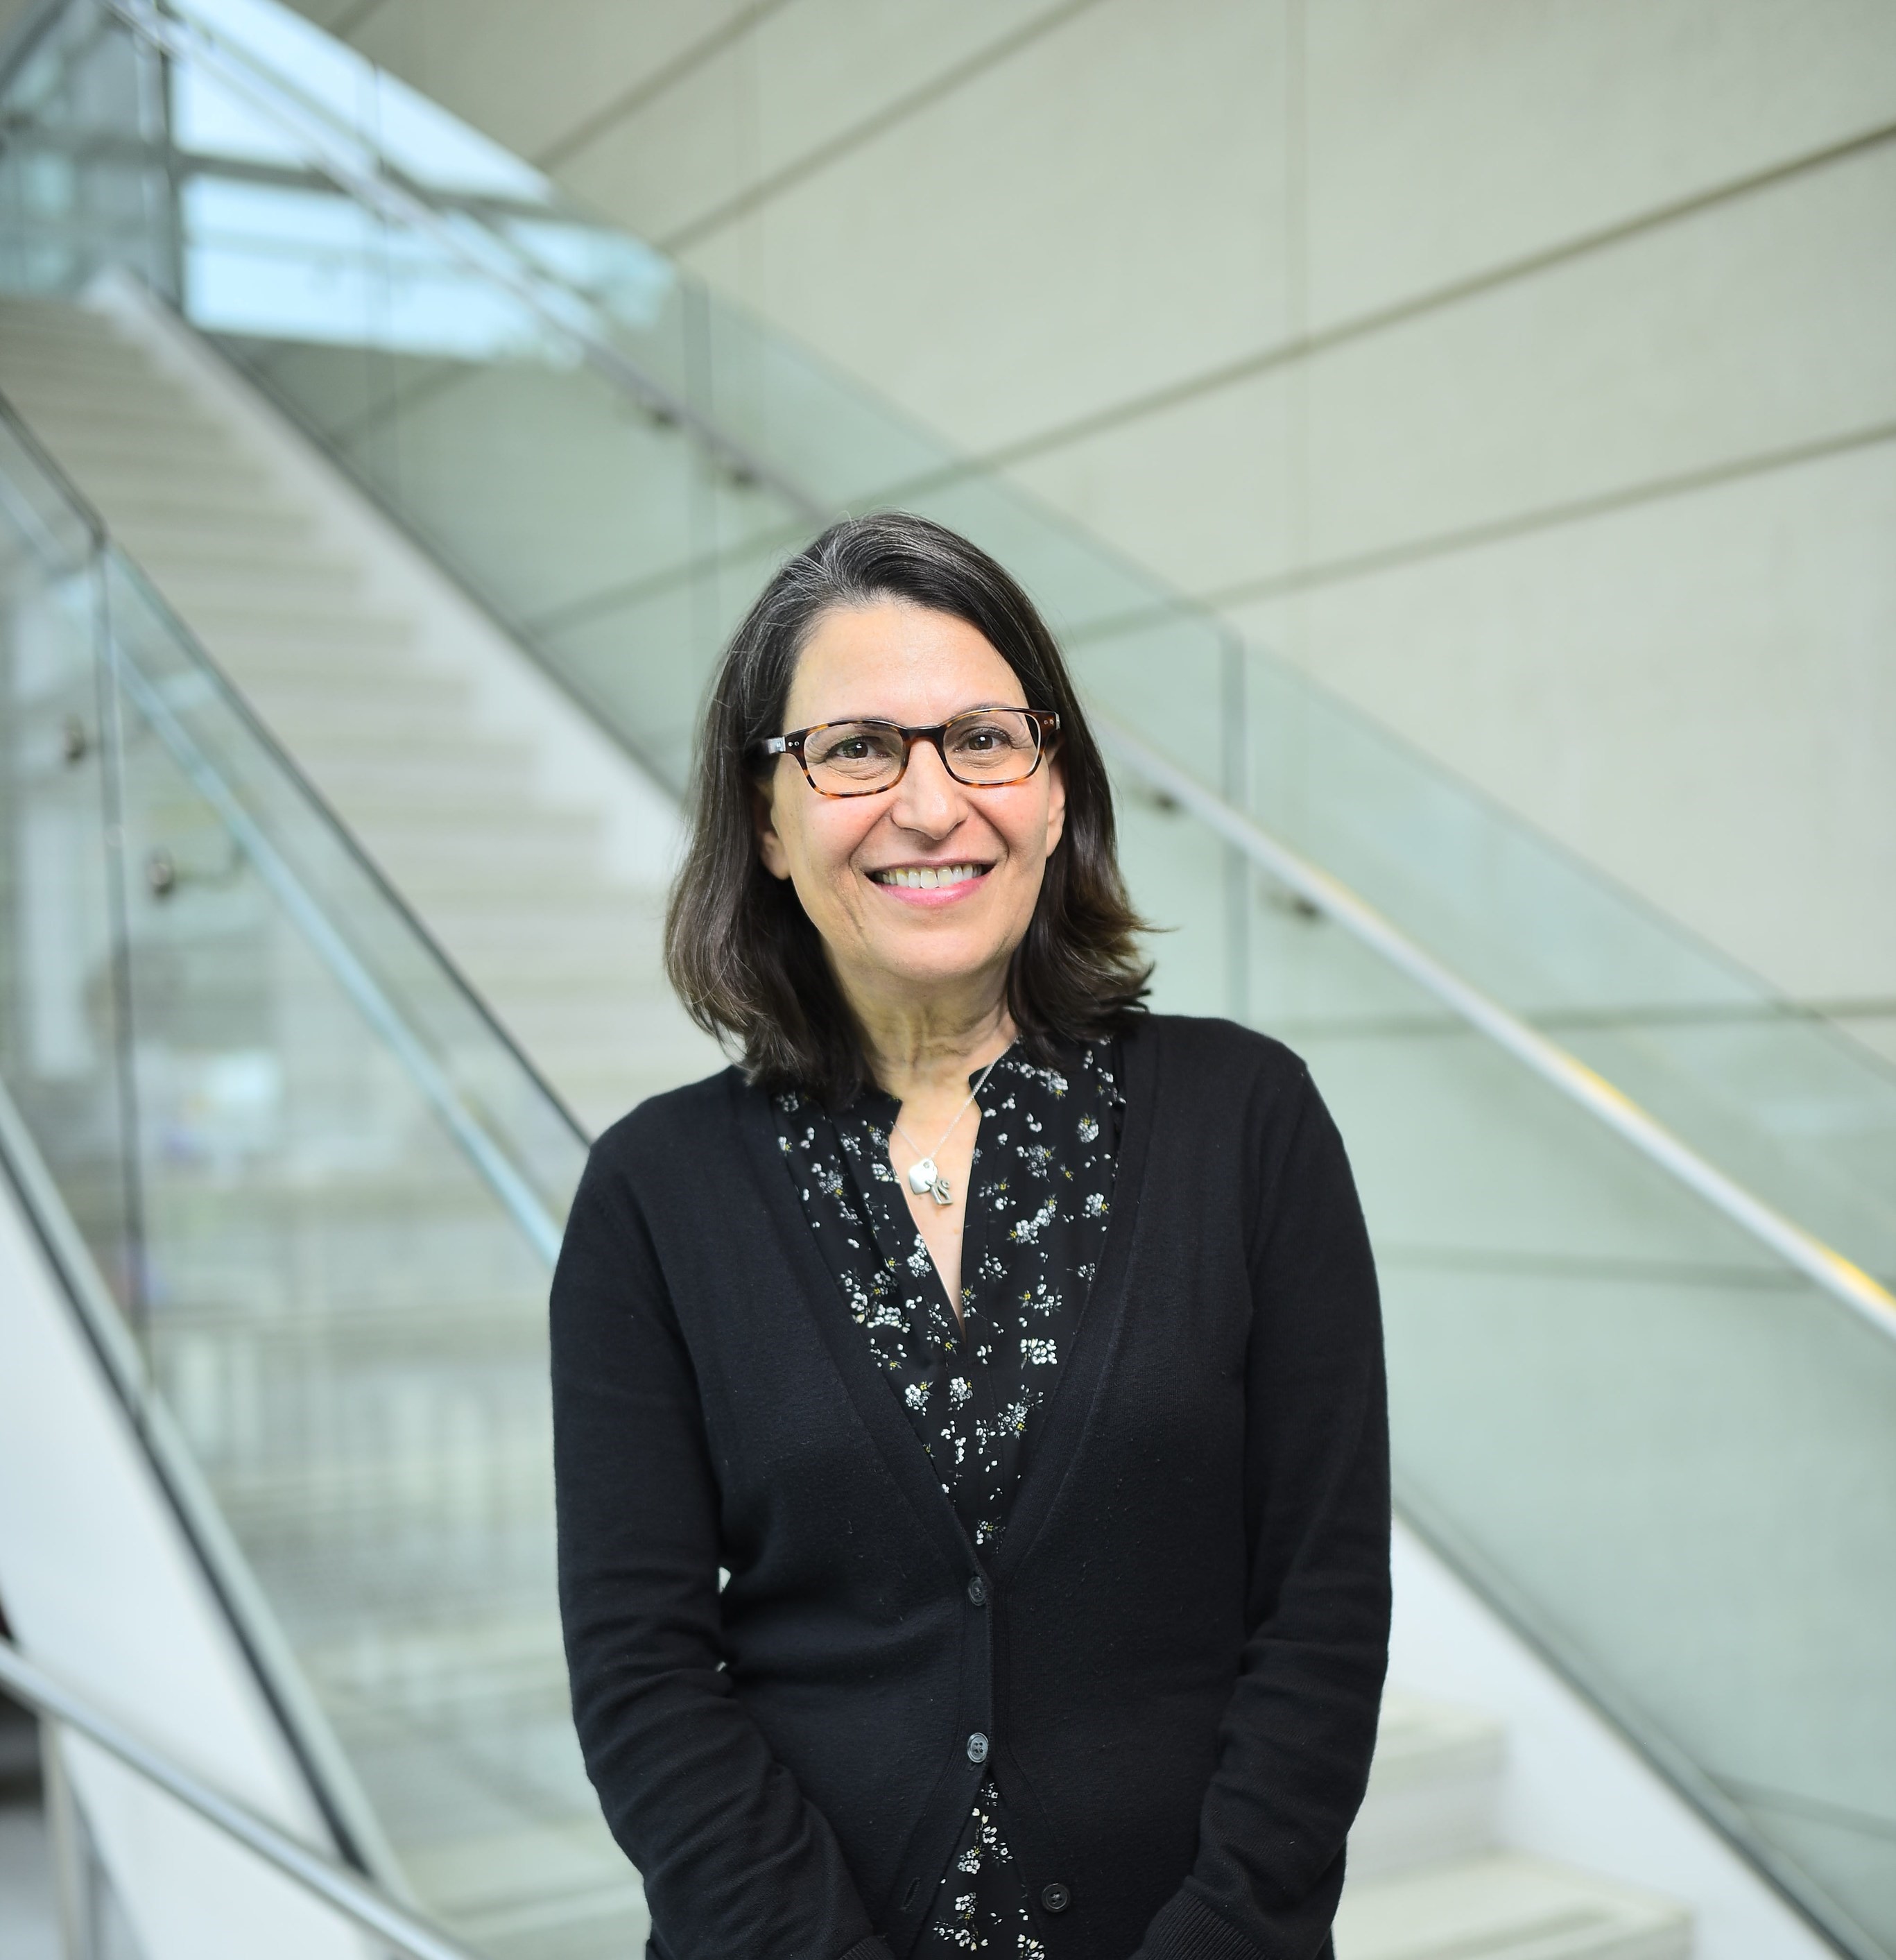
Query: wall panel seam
(590, 127)
(1545, 517)
(1285, 353)
(695, 230)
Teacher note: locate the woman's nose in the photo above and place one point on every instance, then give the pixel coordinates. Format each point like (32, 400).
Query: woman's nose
(928, 799)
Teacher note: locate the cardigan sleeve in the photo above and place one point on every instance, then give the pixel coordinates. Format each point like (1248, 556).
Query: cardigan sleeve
(734, 1858)
(1298, 1732)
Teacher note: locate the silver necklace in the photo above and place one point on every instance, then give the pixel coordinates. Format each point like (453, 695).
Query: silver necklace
(924, 1174)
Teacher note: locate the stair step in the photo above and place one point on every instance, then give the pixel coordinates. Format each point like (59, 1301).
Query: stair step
(118, 447)
(424, 796)
(167, 529)
(266, 583)
(33, 353)
(117, 483)
(477, 765)
(96, 374)
(617, 1027)
(80, 410)
(294, 702)
(318, 719)
(392, 1320)
(200, 477)
(536, 938)
(393, 798)
(575, 998)
(498, 861)
(432, 824)
(1433, 1786)
(62, 320)
(293, 637)
(1505, 1907)
(438, 889)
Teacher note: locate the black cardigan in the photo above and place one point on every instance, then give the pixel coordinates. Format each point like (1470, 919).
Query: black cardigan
(1177, 1657)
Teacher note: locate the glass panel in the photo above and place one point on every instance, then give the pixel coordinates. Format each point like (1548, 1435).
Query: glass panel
(60, 1031)
(1675, 1455)
(83, 180)
(327, 1194)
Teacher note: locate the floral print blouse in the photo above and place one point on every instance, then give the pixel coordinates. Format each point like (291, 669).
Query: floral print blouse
(1039, 1194)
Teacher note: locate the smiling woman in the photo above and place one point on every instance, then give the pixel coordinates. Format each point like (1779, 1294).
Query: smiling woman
(1014, 1352)
(882, 624)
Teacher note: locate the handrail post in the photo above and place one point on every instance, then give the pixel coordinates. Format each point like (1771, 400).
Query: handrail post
(75, 1892)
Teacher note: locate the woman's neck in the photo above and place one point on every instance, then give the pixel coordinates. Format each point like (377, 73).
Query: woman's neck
(920, 1051)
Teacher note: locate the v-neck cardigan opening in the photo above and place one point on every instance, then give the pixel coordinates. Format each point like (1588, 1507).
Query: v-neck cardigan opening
(1065, 1417)
(1081, 1379)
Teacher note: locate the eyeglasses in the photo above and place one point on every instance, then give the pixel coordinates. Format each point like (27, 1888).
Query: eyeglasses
(986, 748)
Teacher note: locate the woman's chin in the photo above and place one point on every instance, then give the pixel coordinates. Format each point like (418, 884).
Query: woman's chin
(936, 961)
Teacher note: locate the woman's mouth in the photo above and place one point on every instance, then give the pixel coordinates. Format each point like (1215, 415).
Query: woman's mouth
(928, 877)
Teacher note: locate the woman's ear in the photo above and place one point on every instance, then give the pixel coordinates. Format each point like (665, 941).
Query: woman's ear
(1056, 802)
(763, 817)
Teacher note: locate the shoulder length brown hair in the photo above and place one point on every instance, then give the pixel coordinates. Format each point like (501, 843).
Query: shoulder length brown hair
(739, 947)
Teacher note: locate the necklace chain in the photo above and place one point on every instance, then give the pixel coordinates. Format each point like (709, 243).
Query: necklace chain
(924, 1174)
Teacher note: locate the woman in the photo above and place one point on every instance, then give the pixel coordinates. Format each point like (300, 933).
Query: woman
(1014, 1352)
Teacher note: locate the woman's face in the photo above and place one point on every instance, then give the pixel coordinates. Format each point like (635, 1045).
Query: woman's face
(888, 941)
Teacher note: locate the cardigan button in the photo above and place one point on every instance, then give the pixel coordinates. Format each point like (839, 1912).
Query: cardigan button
(977, 1591)
(1055, 1897)
(977, 1748)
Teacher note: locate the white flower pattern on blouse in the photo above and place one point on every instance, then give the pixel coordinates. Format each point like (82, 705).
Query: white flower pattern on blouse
(1040, 1200)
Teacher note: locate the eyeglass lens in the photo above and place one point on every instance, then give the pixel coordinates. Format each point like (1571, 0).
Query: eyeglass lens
(994, 746)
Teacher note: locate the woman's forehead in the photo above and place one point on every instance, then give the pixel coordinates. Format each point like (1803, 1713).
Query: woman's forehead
(897, 662)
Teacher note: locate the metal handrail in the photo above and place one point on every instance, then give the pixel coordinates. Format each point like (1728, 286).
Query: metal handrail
(340, 159)
(1563, 1070)
(347, 1892)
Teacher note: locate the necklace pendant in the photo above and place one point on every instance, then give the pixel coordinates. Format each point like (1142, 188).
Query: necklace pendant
(924, 1176)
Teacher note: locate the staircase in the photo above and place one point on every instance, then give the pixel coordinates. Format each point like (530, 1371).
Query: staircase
(351, 1334)
(516, 882)
(357, 1545)
(1428, 1881)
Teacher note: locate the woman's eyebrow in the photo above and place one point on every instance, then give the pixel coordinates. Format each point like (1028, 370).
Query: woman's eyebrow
(977, 708)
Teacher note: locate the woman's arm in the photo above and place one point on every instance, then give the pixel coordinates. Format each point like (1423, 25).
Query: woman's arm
(734, 1859)
(1297, 1734)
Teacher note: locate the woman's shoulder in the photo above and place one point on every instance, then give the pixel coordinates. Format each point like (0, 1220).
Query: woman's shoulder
(681, 1128)
(1221, 1086)
(1189, 1050)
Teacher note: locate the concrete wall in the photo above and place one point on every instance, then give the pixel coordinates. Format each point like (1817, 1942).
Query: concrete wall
(1525, 369)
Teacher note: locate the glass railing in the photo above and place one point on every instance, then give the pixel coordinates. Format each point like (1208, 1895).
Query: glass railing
(1665, 1454)
(295, 1877)
(1668, 1452)
(612, 457)
(323, 1193)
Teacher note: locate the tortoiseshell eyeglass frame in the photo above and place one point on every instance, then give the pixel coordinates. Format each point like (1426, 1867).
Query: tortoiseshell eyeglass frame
(1046, 728)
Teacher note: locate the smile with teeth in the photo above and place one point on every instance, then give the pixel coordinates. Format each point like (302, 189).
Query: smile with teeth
(928, 877)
